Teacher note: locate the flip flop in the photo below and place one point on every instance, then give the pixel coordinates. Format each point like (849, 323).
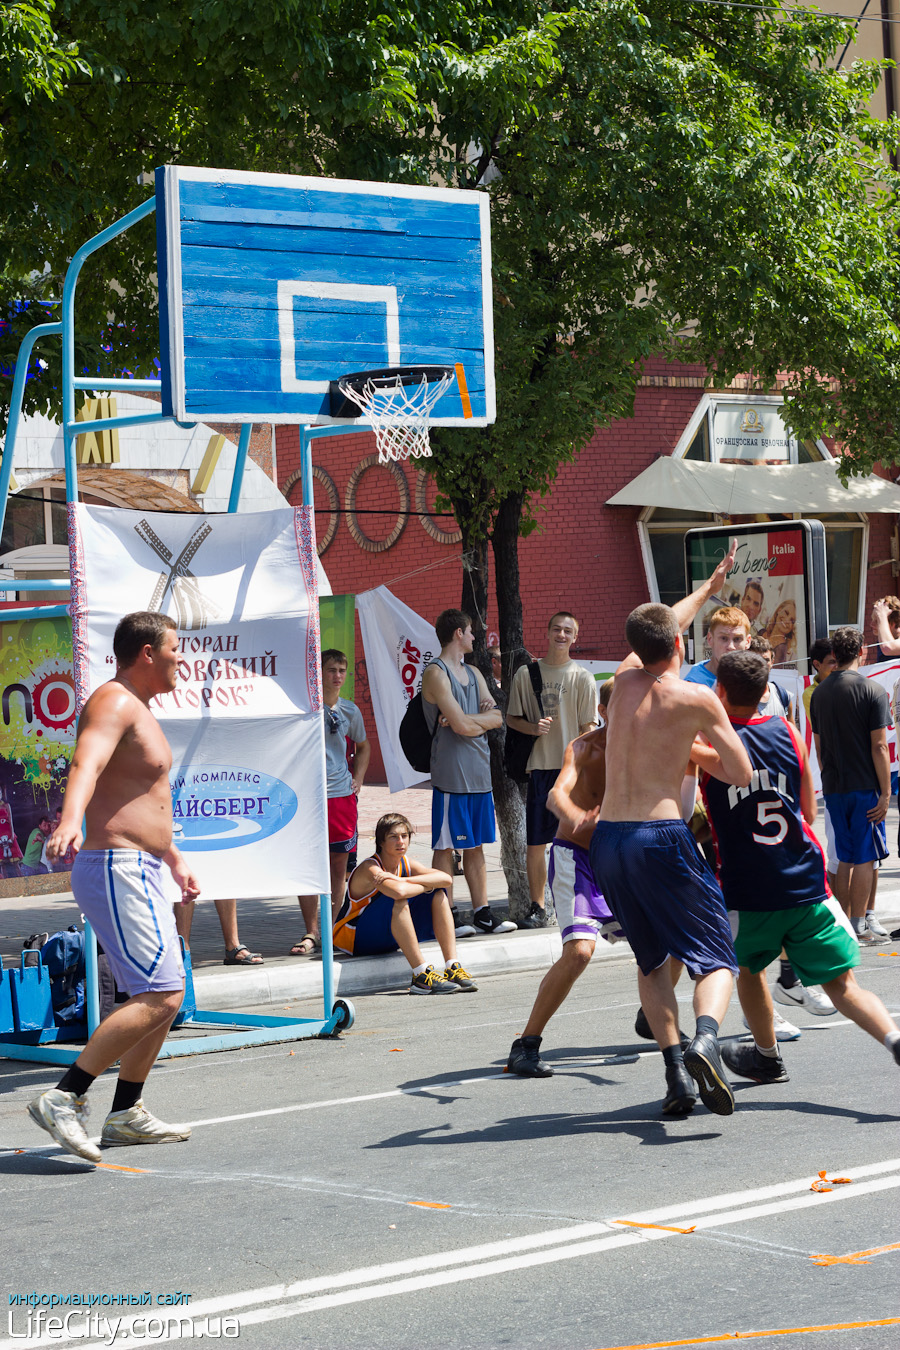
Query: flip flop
(306, 946)
(233, 957)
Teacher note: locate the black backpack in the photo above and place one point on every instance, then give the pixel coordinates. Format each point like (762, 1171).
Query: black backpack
(519, 744)
(415, 738)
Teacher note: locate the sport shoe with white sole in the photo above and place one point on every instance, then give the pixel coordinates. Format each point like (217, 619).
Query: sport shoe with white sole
(460, 927)
(137, 1126)
(877, 929)
(432, 981)
(62, 1115)
(455, 974)
(487, 922)
(798, 996)
(784, 1030)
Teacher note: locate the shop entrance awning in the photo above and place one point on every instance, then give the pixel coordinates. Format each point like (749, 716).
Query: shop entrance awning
(747, 490)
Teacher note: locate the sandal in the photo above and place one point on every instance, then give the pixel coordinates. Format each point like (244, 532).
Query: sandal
(306, 946)
(242, 956)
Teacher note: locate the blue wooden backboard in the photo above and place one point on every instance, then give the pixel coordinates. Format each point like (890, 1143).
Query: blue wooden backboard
(273, 285)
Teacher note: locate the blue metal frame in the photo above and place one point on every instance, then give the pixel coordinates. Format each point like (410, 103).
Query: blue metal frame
(255, 1029)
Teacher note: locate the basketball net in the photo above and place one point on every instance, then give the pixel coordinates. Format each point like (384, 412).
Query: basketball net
(398, 414)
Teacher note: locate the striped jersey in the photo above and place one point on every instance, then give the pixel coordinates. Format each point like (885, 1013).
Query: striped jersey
(769, 858)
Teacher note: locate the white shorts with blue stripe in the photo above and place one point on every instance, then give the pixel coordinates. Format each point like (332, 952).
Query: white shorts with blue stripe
(120, 893)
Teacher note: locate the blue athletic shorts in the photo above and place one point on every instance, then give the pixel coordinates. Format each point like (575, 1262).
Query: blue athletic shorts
(856, 839)
(373, 925)
(461, 820)
(119, 891)
(659, 887)
(581, 910)
(540, 824)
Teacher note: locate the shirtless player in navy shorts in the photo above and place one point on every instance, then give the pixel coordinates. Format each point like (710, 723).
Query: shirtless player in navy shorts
(645, 861)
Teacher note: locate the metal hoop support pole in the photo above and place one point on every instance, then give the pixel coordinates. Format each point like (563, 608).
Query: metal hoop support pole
(245, 1029)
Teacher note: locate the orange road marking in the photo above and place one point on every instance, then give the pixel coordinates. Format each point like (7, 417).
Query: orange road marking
(115, 1167)
(428, 1204)
(853, 1258)
(463, 389)
(110, 1167)
(661, 1227)
(750, 1335)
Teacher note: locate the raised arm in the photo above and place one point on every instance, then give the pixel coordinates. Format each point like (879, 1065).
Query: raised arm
(103, 722)
(436, 689)
(889, 645)
(687, 609)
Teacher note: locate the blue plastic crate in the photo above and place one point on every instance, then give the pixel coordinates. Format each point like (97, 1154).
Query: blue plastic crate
(31, 1000)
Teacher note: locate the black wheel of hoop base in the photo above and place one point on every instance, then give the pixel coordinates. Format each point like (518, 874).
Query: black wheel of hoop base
(346, 1016)
(386, 378)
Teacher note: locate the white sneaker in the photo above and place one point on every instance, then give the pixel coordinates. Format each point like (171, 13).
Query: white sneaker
(877, 929)
(869, 938)
(62, 1115)
(784, 1031)
(137, 1126)
(814, 1000)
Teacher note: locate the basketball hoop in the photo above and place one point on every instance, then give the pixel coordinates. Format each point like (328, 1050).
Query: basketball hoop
(397, 402)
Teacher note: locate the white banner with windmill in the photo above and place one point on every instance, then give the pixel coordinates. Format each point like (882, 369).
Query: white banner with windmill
(245, 720)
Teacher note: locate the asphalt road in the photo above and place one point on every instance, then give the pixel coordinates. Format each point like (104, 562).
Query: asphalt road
(394, 1189)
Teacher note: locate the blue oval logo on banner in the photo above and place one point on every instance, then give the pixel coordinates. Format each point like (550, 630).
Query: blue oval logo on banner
(221, 806)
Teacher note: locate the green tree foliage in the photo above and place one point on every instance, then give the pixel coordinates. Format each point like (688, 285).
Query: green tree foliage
(665, 176)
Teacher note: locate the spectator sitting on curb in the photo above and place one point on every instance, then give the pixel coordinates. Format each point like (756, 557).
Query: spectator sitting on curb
(393, 901)
(343, 722)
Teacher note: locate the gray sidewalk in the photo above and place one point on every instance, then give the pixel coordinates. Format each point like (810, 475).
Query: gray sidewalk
(271, 926)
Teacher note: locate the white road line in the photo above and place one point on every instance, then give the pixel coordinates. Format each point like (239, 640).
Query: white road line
(488, 1259)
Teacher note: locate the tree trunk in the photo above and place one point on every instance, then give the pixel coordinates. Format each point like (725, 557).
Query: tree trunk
(509, 798)
(509, 802)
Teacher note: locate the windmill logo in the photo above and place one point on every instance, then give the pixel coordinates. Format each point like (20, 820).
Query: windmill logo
(192, 609)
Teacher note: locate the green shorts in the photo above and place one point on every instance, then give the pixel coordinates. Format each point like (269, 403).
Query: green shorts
(818, 939)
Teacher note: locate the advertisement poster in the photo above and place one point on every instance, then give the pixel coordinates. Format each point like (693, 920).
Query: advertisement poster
(245, 720)
(37, 736)
(398, 644)
(767, 583)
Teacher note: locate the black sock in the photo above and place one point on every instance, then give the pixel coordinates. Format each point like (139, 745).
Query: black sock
(788, 976)
(75, 1080)
(673, 1055)
(126, 1095)
(707, 1026)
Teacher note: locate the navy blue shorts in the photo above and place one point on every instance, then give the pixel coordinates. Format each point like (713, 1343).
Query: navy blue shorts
(373, 925)
(856, 839)
(660, 888)
(540, 824)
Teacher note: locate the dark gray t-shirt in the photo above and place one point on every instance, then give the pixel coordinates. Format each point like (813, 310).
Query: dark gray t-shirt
(458, 763)
(844, 710)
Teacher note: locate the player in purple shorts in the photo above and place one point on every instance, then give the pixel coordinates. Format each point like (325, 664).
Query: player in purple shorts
(644, 857)
(581, 911)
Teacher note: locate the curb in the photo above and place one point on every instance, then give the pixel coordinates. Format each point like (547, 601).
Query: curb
(223, 992)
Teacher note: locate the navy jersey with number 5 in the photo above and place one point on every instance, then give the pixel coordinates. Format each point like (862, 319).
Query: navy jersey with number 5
(769, 858)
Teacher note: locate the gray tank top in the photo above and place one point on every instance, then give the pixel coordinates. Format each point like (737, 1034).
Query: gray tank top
(458, 763)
